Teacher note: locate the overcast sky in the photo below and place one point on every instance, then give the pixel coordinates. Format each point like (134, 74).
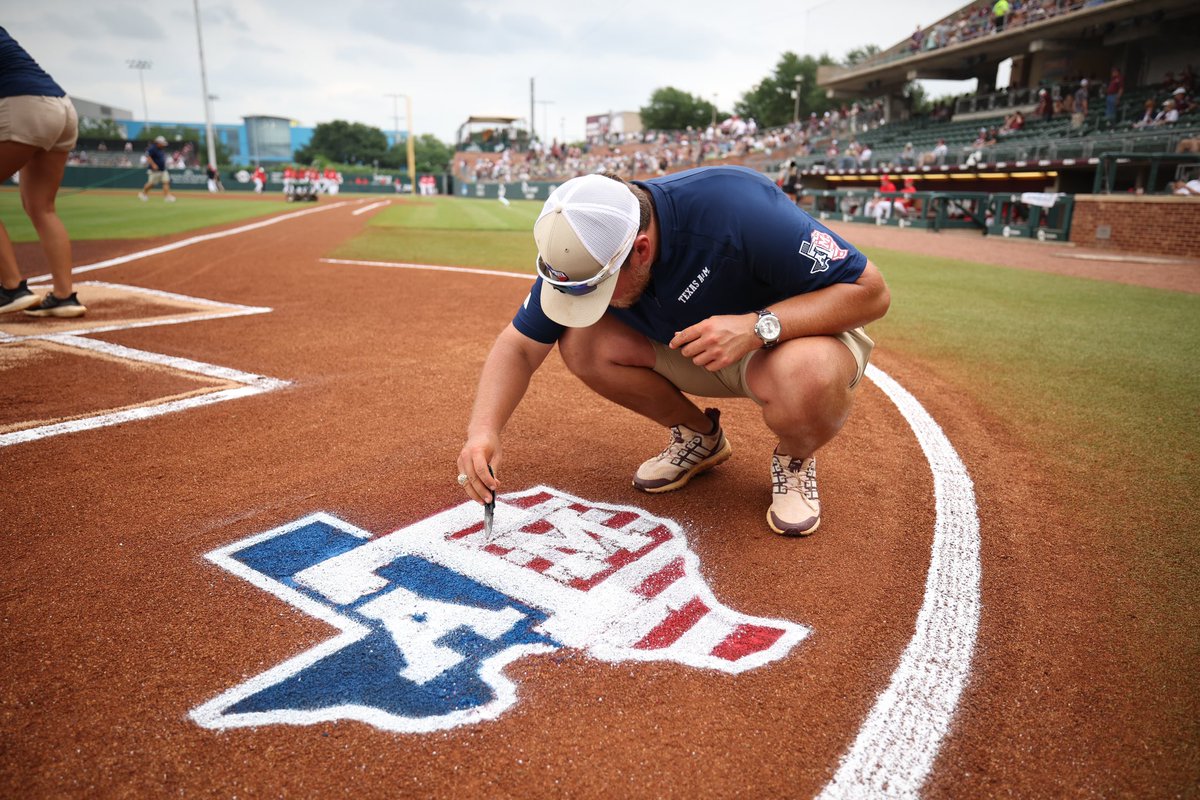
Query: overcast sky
(315, 61)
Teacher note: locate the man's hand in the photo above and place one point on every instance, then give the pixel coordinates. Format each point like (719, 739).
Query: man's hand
(718, 341)
(473, 461)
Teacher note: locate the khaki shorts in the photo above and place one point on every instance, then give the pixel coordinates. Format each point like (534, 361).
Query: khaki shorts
(156, 176)
(731, 381)
(48, 123)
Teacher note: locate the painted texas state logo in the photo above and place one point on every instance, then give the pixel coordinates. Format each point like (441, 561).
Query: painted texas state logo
(430, 615)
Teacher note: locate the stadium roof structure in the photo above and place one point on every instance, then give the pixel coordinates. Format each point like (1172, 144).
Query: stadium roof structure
(474, 120)
(1102, 25)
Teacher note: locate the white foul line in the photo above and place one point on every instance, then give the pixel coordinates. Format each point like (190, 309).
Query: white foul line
(402, 265)
(896, 746)
(206, 237)
(365, 209)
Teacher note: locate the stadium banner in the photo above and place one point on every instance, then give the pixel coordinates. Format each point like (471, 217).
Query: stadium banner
(520, 190)
(232, 180)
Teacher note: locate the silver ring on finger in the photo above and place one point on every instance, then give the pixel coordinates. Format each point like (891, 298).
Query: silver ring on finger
(462, 479)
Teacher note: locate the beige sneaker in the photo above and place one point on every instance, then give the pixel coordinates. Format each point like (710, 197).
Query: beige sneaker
(688, 454)
(795, 507)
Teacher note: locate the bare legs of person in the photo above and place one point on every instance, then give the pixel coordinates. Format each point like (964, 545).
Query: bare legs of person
(41, 175)
(803, 386)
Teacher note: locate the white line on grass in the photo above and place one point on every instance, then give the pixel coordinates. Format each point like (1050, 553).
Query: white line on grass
(896, 746)
(365, 209)
(400, 265)
(206, 237)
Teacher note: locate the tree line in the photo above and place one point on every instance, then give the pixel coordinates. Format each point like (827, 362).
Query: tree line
(789, 91)
(772, 102)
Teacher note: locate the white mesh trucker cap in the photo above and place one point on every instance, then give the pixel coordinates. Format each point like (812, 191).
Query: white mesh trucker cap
(586, 228)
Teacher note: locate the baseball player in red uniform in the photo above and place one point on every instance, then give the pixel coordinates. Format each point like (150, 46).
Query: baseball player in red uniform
(260, 179)
(330, 181)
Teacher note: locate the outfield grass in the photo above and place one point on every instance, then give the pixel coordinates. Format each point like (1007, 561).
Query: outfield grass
(1099, 376)
(104, 215)
(452, 232)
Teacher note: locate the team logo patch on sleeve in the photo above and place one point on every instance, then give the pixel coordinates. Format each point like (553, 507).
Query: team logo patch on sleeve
(430, 615)
(821, 249)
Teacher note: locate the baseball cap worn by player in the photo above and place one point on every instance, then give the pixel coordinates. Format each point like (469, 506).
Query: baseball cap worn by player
(583, 234)
(160, 140)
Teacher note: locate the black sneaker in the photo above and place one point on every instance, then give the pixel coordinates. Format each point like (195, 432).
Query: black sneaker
(17, 299)
(52, 306)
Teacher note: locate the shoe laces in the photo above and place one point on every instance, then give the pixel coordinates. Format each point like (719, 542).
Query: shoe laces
(794, 477)
(679, 449)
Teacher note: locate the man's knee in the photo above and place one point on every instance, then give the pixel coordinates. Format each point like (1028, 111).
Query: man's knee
(804, 373)
(593, 351)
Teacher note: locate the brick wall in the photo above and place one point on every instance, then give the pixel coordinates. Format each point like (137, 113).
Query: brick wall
(1158, 225)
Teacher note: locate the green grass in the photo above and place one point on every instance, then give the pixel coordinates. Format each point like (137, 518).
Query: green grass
(1098, 376)
(89, 215)
(452, 232)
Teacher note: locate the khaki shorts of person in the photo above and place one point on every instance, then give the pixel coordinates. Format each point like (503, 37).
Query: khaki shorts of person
(156, 176)
(731, 381)
(48, 123)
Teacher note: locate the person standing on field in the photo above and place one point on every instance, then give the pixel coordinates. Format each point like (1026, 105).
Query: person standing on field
(38, 128)
(709, 282)
(156, 168)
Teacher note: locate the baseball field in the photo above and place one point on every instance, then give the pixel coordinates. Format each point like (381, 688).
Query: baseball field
(239, 563)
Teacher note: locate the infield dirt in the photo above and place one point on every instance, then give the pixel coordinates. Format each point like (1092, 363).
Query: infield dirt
(115, 626)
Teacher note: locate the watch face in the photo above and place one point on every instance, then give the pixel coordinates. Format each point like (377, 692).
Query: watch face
(767, 329)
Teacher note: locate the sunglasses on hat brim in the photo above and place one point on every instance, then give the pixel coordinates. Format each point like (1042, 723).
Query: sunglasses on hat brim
(558, 280)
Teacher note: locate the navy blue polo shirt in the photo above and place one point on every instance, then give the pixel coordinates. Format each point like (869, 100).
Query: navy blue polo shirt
(20, 74)
(155, 154)
(730, 242)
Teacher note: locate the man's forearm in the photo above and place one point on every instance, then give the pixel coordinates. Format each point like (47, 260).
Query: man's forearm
(503, 381)
(836, 308)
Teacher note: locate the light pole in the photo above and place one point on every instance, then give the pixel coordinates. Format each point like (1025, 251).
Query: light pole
(796, 94)
(208, 126)
(713, 122)
(545, 118)
(141, 65)
(395, 117)
(411, 148)
(212, 107)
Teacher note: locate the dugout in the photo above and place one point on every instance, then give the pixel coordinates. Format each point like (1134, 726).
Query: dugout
(933, 211)
(1031, 215)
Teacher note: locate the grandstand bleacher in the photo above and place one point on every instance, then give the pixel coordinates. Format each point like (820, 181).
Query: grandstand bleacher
(1056, 44)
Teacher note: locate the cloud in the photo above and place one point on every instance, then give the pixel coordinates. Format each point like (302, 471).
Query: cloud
(223, 16)
(129, 22)
(314, 61)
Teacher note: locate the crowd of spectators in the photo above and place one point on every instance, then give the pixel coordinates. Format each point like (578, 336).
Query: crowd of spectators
(129, 154)
(986, 17)
(1179, 101)
(836, 138)
(655, 152)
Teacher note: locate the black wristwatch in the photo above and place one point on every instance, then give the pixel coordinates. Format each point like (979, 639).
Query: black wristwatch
(767, 328)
